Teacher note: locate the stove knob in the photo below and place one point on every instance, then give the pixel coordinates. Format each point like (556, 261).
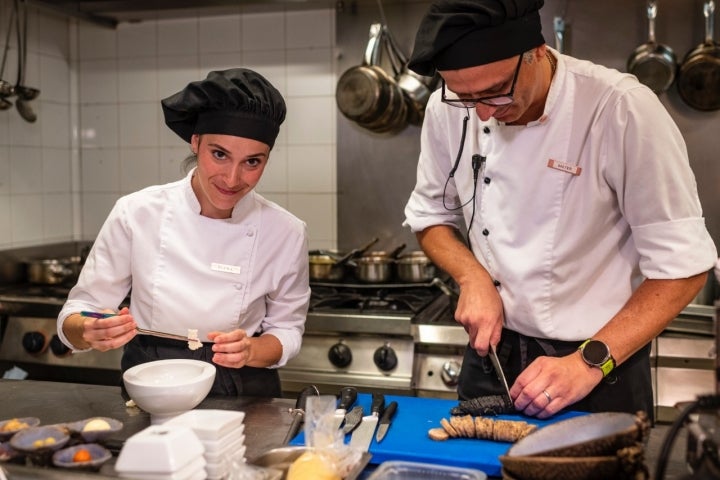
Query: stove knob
(340, 355)
(58, 348)
(450, 373)
(34, 342)
(385, 358)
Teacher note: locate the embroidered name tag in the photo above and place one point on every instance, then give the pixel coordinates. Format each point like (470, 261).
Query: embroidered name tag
(219, 267)
(564, 167)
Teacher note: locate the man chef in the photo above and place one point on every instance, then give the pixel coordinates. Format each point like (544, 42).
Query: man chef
(558, 195)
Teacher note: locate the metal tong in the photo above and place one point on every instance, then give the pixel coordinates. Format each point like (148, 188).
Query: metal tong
(141, 331)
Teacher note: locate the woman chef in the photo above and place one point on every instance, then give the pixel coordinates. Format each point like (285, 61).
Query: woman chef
(206, 252)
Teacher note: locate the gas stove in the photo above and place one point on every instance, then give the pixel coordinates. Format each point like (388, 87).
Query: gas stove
(29, 340)
(367, 336)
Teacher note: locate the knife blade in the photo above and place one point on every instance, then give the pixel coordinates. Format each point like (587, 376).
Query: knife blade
(384, 422)
(298, 413)
(363, 435)
(348, 395)
(353, 419)
(499, 371)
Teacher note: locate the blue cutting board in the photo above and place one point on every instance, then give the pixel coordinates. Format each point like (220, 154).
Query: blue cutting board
(407, 439)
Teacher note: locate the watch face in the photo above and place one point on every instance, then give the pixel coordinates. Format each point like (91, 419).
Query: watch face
(596, 352)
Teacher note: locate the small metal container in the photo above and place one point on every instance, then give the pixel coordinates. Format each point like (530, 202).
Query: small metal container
(415, 267)
(374, 269)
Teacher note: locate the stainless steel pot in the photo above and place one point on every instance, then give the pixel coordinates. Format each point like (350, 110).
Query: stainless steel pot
(53, 271)
(415, 267)
(374, 269)
(324, 267)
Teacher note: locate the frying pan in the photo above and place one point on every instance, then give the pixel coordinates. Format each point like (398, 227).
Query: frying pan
(652, 63)
(699, 76)
(364, 91)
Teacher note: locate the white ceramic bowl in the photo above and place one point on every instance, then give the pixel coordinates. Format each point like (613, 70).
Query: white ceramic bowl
(165, 388)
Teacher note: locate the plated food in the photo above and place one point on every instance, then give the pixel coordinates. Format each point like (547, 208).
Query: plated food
(11, 426)
(40, 439)
(94, 429)
(83, 456)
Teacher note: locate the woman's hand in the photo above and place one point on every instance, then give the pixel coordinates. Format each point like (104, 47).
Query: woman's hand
(231, 349)
(236, 350)
(105, 334)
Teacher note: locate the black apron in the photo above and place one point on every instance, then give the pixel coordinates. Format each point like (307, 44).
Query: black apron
(628, 388)
(245, 381)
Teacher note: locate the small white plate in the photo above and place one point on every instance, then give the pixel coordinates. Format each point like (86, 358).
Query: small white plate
(160, 449)
(209, 424)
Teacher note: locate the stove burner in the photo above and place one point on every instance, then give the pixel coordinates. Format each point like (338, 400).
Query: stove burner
(371, 299)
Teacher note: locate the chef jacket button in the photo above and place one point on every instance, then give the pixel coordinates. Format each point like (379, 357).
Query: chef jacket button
(496, 283)
(486, 130)
(486, 232)
(238, 286)
(250, 233)
(486, 180)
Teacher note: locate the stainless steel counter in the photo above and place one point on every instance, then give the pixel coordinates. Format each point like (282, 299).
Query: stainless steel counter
(266, 421)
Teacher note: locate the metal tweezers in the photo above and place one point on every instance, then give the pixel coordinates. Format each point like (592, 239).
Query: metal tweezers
(142, 331)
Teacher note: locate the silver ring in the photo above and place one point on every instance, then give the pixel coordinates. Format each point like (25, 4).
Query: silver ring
(547, 395)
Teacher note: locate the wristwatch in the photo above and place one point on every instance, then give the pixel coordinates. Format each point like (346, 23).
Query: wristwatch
(597, 354)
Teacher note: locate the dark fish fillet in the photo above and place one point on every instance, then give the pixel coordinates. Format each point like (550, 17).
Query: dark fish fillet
(485, 405)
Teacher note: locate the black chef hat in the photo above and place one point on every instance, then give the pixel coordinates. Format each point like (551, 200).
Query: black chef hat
(237, 102)
(457, 34)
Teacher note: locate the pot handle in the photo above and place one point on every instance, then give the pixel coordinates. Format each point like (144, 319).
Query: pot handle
(559, 27)
(709, 12)
(651, 15)
(372, 51)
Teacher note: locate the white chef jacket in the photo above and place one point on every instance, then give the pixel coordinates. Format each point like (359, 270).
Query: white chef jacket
(190, 271)
(574, 210)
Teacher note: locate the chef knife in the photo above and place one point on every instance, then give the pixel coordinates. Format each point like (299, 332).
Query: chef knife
(348, 395)
(298, 413)
(499, 371)
(353, 419)
(363, 435)
(384, 423)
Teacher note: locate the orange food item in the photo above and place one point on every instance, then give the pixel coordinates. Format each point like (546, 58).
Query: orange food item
(82, 455)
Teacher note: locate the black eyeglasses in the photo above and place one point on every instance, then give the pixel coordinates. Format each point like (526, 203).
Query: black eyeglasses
(453, 100)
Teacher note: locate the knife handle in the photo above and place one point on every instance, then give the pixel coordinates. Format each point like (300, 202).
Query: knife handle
(306, 392)
(348, 395)
(378, 404)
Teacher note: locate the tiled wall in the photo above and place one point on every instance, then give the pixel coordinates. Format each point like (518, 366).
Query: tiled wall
(109, 83)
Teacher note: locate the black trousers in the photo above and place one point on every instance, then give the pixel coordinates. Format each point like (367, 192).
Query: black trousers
(628, 388)
(245, 381)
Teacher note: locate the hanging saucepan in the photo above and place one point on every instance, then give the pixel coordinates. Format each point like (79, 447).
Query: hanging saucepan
(368, 95)
(6, 88)
(363, 92)
(652, 63)
(394, 118)
(23, 92)
(699, 76)
(416, 88)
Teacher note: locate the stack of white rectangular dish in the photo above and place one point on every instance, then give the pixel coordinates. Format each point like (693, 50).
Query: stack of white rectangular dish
(221, 433)
(160, 452)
